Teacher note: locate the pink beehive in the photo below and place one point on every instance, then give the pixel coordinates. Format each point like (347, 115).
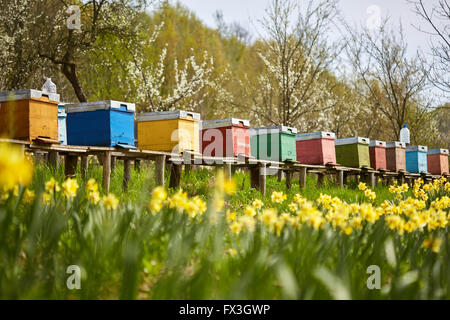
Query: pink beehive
(316, 148)
(377, 150)
(437, 160)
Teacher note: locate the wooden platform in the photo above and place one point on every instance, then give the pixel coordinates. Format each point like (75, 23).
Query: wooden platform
(258, 169)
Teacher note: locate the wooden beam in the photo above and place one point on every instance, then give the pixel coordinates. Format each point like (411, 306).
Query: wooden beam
(84, 166)
(106, 170)
(70, 165)
(302, 179)
(126, 173)
(160, 164)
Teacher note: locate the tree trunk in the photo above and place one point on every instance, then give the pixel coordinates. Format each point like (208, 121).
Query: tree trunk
(69, 71)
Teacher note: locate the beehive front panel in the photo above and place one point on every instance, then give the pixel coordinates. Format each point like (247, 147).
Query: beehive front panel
(328, 151)
(254, 145)
(378, 158)
(240, 141)
(288, 151)
(157, 135)
(395, 159)
(412, 163)
(438, 164)
(422, 162)
(347, 155)
(43, 119)
(269, 146)
(89, 128)
(15, 119)
(122, 127)
(363, 155)
(188, 135)
(310, 151)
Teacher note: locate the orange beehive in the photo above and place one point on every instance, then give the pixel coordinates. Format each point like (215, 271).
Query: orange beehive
(28, 115)
(438, 161)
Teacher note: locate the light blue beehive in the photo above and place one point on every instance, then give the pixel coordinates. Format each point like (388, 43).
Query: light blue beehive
(416, 159)
(62, 127)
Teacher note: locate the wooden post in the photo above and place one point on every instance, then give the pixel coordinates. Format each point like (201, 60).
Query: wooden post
(227, 168)
(288, 180)
(280, 175)
(401, 178)
(371, 177)
(137, 165)
(70, 165)
(53, 159)
(302, 179)
(160, 163)
(113, 163)
(254, 177)
(126, 173)
(84, 166)
(175, 175)
(106, 170)
(340, 178)
(357, 178)
(262, 179)
(320, 179)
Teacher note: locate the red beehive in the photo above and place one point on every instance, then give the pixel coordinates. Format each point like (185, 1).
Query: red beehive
(395, 156)
(437, 160)
(377, 150)
(316, 148)
(226, 138)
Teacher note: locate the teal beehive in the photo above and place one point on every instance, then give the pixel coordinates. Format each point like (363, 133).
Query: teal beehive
(416, 159)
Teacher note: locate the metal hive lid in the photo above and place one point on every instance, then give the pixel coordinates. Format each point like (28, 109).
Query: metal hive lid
(438, 151)
(395, 144)
(315, 135)
(377, 143)
(211, 124)
(167, 115)
(275, 129)
(99, 105)
(353, 140)
(27, 95)
(417, 148)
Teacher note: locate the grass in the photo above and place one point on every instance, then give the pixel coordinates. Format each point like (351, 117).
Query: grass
(130, 253)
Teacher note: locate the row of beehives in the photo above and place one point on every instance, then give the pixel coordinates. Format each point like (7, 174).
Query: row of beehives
(31, 114)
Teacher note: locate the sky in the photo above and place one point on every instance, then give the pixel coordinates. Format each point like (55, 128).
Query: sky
(359, 12)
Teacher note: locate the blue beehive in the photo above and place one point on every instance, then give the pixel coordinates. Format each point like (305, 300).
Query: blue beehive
(62, 128)
(101, 123)
(416, 159)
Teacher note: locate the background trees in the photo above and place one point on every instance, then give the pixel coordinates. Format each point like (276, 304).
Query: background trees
(163, 57)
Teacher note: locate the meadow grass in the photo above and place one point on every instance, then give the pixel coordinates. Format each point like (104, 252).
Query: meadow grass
(130, 253)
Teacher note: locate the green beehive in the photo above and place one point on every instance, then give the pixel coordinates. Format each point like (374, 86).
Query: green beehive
(273, 143)
(353, 152)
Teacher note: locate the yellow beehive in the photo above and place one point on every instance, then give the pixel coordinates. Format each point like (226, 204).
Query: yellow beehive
(168, 131)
